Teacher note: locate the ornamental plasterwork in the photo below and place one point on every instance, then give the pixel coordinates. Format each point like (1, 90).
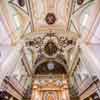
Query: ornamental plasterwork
(49, 40)
(56, 82)
(59, 44)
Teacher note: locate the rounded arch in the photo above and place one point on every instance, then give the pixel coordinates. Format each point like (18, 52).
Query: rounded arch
(56, 67)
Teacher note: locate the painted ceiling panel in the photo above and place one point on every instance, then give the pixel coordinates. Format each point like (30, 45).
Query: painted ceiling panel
(42, 7)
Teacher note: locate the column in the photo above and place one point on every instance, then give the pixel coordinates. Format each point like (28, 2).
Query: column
(9, 64)
(23, 80)
(28, 82)
(66, 95)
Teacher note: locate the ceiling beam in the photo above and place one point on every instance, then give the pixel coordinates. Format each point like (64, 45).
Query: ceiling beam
(26, 64)
(75, 58)
(70, 14)
(29, 9)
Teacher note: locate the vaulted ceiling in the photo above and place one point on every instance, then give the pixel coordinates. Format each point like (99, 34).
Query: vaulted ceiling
(38, 11)
(31, 20)
(60, 9)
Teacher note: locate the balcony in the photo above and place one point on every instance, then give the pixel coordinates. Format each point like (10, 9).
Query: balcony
(86, 84)
(14, 84)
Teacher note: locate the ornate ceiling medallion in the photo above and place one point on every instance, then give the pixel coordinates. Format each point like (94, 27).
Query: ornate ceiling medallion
(21, 2)
(79, 2)
(50, 48)
(50, 18)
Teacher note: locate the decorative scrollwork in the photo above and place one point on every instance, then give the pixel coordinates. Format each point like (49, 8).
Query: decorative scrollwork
(36, 42)
(63, 42)
(47, 44)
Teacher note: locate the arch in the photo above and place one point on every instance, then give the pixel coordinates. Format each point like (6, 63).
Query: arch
(62, 69)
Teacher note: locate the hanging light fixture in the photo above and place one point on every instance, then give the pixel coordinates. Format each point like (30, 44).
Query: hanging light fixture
(21, 2)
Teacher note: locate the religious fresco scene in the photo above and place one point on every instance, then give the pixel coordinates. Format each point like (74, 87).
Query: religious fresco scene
(49, 49)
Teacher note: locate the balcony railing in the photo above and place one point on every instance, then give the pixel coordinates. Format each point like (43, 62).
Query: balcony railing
(15, 84)
(86, 83)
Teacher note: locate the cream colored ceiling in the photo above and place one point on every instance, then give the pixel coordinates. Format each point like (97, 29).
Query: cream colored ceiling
(32, 15)
(34, 12)
(33, 18)
(41, 8)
